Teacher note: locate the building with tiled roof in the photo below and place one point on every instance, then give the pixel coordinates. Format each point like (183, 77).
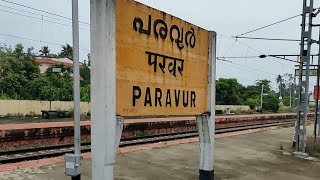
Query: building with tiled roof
(46, 62)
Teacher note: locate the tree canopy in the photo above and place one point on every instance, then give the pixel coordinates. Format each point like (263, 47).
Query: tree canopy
(20, 77)
(231, 92)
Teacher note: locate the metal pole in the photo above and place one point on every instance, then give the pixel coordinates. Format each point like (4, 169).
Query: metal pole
(76, 83)
(261, 98)
(305, 51)
(50, 97)
(280, 88)
(291, 97)
(317, 103)
(317, 98)
(305, 115)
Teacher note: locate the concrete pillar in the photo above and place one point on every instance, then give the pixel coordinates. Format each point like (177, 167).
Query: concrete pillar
(206, 122)
(205, 128)
(106, 127)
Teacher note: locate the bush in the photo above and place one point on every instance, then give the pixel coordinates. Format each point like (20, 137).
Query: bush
(313, 149)
(284, 109)
(69, 114)
(271, 103)
(253, 103)
(286, 100)
(4, 96)
(242, 111)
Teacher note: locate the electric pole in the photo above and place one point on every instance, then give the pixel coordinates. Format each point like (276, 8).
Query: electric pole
(291, 85)
(73, 161)
(317, 122)
(303, 87)
(261, 98)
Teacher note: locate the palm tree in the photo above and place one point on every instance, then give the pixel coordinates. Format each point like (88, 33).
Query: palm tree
(279, 81)
(45, 50)
(66, 52)
(89, 59)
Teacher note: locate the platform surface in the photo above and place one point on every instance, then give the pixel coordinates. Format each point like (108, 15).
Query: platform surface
(256, 156)
(30, 123)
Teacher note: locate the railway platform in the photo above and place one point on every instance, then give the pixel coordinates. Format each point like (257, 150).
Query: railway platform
(29, 134)
(6, 121)
(247, 155)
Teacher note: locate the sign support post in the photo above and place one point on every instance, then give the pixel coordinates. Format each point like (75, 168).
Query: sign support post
(206, 122)
(106, 126)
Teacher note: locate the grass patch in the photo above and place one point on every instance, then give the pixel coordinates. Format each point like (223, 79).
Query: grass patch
(143, 133)
(313, 148)
(242, 111)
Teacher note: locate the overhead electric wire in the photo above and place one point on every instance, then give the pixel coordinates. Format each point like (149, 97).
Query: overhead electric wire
(232, 38)
(284, 59)
(268, 39)
(239, 57)
(50, 17)
(30, 39)
(230, 48)
(40, 19)
(251, 48)
(21, 5)
(246, 70)
(248, 67)
(278, 22)
(261, 56)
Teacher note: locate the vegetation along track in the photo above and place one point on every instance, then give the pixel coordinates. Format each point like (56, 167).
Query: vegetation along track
(19, 155)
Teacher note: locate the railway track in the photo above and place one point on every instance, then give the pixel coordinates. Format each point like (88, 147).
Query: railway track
(19, 155)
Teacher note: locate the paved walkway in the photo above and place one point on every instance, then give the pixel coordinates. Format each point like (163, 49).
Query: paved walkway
(256, 156)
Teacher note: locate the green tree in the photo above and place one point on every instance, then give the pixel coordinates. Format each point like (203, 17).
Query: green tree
(89, 59)
(279, 81)
(266, 85)
(18, 50)
(60, 84)
(252, 102)
(16, 69)
(39, 88)
(271, 103)
(44, 50)
(66, 52)
(286, 100)
(12, 85)
(228, 92)
(85, 74)
(85, 93)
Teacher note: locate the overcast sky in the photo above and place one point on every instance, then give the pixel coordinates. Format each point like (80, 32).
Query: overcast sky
(226, 17)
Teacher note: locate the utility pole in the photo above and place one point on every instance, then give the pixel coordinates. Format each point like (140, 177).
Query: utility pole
(261, 98)
(303, 89)
(280, 89)
(291, 85)
(72, 161)
(317, 122)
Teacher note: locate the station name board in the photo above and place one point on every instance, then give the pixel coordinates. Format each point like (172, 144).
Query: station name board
(162, 63)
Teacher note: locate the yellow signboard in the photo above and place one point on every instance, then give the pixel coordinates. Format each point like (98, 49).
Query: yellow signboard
(162, 63)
